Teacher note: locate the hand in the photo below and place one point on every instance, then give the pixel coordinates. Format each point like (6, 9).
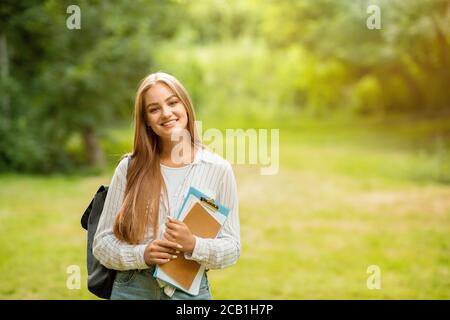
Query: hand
(161, 251)
(177, 231)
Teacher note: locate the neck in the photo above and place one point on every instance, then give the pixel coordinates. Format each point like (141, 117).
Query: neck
(177, 153)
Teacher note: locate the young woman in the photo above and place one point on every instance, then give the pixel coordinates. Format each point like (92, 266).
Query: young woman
(137, 230)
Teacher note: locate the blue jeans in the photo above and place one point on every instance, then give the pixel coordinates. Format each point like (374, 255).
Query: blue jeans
(141, 285)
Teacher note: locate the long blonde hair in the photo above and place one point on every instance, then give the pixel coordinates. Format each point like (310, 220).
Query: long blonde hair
(145, 183)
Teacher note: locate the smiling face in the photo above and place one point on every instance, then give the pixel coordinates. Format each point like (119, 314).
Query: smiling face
(165, 113)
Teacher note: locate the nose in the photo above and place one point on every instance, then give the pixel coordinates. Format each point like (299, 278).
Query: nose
(166, 112)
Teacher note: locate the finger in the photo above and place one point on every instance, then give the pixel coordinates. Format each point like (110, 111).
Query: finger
(161, 261)
(169, 237)
(172, 226)
(164, 243)
(161, 249)
(170, 244)
(161, 246)
(171, 234)
(174, 220)
(163, 255)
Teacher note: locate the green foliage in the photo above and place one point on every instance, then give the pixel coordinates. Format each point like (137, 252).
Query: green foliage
(206, 22)
(244, 63)
(367, 94)
(69, 82)
(409, 56)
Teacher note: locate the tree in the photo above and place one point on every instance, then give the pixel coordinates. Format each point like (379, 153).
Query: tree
(64, 82)
(409, 57)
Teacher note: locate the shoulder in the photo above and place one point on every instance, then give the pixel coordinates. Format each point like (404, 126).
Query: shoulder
(122, 166)
(213, 159)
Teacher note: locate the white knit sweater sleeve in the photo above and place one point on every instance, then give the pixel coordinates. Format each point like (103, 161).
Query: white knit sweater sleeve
(225, 249)
(110, 251)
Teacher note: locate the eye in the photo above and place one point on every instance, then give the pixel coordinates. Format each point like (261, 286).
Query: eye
(153, 110)
(173, 102)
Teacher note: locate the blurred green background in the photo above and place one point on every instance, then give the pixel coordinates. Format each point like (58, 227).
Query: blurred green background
(364, 119)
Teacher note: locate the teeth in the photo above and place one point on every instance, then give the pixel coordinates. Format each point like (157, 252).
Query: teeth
(168, 122)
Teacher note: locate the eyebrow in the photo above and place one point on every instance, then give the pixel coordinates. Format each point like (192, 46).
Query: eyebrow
(156, 103)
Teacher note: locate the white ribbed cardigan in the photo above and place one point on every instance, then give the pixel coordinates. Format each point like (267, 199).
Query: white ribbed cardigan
(210, 174)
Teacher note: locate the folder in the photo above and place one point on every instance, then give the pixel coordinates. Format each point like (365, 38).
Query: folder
(204, 217)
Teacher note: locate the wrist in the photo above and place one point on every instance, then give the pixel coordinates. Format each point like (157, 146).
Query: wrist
(191, 247)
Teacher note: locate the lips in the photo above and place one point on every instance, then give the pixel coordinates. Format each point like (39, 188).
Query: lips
(169, 123)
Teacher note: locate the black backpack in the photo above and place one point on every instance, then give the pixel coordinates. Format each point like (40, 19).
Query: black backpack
(100, 278)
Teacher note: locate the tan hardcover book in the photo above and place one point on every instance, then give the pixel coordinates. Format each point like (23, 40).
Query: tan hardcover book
(203, 225)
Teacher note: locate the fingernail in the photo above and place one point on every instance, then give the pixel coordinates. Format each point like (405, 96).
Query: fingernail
(174, 257)
(179, 246)
(177, 251)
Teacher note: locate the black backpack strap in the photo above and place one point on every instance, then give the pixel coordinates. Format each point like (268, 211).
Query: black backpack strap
(87, 212)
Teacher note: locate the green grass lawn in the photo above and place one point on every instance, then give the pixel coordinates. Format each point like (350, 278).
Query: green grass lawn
(346, 197)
